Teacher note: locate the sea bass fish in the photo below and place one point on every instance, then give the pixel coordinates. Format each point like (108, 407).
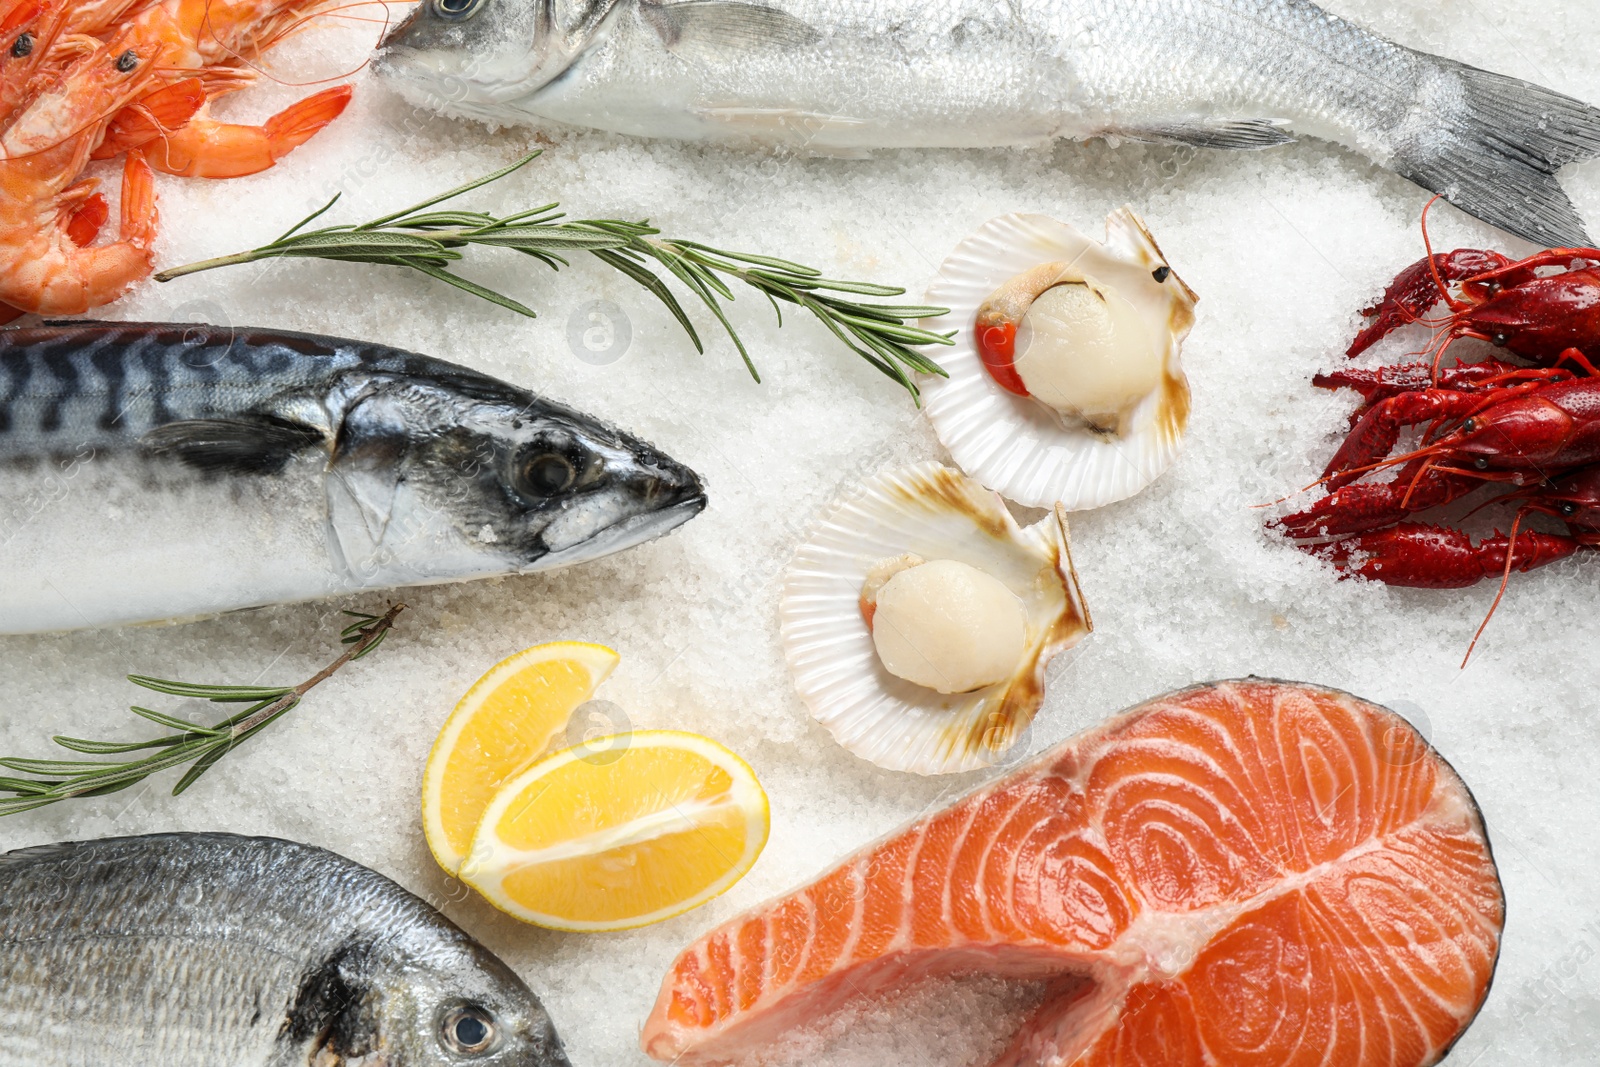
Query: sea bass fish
(841, 76)
(1249, 872)
(152, 472)
(211, 950)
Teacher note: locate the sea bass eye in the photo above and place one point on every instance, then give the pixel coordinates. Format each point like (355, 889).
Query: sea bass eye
(544, 473)
(467, 1030)
(456, 9)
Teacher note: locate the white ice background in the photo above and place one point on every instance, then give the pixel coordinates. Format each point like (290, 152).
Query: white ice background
(1283, 247)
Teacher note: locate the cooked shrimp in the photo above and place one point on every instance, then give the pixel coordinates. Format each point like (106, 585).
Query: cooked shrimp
(206, 148)
(39, 38)
(29, 30)
(219, 42)
(43, 205)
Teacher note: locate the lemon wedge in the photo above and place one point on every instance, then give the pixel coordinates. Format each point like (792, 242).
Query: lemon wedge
(619, 832)
(505, 722)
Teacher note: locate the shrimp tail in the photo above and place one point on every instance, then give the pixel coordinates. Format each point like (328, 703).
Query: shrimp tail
(157, 115)
(207, 149)
(139, 219)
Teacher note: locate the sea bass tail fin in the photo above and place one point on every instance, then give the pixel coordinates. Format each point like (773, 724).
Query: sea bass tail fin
(1495, 150)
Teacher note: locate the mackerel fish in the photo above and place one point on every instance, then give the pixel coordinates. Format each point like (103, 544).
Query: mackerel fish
(204, 950)
(158, 472)
(844, 76)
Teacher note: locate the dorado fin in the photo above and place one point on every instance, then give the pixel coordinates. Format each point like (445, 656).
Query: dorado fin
(706, 31)
(245, 444)
(1245, 134)
(1493, 148)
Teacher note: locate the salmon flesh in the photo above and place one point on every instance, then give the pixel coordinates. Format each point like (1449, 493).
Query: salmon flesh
(1247, 872)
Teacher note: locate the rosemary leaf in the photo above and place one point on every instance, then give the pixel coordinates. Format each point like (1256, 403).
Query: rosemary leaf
(457, 191)
(784, 265)
(107, 748)
(885, 335)
(658, 288)
(201, 747)
(52, 766)
(471, 287)
(170, 722)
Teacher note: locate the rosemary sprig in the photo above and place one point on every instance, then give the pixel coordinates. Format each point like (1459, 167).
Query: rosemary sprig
(52, 781)
(430, 241)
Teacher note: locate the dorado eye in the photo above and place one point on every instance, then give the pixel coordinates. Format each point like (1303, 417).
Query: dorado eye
(456, 9)
(467, 1030)
(546, 474)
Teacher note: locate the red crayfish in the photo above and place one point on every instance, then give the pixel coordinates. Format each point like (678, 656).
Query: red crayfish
(1533, 427)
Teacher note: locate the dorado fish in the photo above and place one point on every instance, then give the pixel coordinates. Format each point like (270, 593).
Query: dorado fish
(1249, 872)
(205, 950)
(841, 76)
(152, 472)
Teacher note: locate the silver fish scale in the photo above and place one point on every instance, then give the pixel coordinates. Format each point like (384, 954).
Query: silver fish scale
(849, 76)
(198, 949)
(889, 71)
(1233, 59)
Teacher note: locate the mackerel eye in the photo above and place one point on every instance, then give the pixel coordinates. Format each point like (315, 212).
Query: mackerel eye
(456, 10)
(467, 1031)
(544, 474)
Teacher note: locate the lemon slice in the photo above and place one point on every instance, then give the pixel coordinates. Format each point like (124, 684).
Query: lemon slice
(504, 723)
(619, 832)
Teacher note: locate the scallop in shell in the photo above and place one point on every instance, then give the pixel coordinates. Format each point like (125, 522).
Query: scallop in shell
(1117, 421)
(896, 521)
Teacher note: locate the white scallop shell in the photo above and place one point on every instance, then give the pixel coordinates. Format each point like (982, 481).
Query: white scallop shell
(1014, 444)
(934, 512)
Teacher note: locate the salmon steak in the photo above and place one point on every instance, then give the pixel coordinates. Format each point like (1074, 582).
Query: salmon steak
(1241, 874)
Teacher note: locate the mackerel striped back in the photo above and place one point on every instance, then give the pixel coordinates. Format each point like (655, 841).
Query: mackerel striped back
(104, 385)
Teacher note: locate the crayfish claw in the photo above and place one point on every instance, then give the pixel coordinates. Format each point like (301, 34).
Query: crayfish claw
(1415, 291)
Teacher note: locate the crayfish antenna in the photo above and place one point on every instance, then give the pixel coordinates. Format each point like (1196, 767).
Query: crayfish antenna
(1433, 266)
(1416, 478)
(1505, 580)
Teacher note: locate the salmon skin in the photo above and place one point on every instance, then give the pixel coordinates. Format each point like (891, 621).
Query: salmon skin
(1246, 872)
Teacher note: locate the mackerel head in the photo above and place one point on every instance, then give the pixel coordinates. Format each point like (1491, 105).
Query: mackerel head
(152, 472)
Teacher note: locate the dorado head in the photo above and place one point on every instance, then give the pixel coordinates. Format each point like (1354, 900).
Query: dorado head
(467, 56)
(445, 474)
(429, 996)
